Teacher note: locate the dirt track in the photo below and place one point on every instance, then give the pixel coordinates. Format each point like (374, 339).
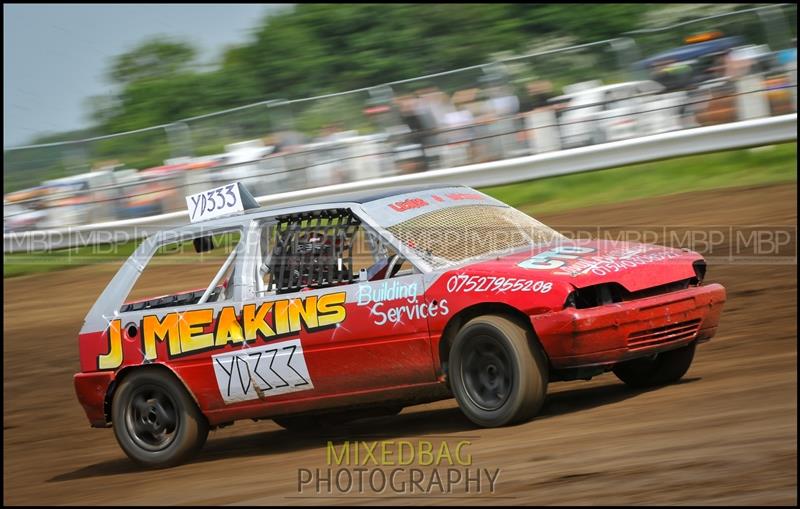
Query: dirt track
(726, 434)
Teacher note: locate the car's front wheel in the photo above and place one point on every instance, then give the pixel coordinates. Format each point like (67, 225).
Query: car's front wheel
(659, 369)
(155, 420)
(497, 371)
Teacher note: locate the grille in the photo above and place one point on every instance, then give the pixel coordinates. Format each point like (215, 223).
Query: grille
(663, 335)
(456, 234)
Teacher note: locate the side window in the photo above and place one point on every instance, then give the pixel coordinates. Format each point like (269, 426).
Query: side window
(320, 249)
(396, 264)
(181, 273)
(377, 258)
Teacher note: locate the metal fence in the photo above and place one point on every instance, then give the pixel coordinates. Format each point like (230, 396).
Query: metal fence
(515, 106)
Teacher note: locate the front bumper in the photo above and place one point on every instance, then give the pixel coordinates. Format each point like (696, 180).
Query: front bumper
(626, 330)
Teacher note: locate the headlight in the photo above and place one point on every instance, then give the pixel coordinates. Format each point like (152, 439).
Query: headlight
(699, 270)
(596, 295)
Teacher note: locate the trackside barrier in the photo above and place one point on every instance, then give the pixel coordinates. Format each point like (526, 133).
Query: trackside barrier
(762, 131)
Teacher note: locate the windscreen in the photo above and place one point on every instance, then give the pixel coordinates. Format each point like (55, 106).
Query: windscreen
(450, 226)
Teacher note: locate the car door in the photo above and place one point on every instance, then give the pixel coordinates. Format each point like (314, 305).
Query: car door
(337, 311)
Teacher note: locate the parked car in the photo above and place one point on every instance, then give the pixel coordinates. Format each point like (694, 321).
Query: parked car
(361, 304)
(615, 112)
(685, 67)
(240, 162)
(18, 217)
(22, 210)
(80, 199)
(151, 194)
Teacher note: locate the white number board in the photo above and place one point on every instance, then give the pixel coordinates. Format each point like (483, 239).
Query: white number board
(221, 201)
(270, 370)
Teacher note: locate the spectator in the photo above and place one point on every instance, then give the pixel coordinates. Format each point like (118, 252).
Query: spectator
(409, 146)
(539, 94)
(427, 110)
(501, 107)
(459, 131)
(738, 62)
(462, 114)
(332, 132)
(502, 101)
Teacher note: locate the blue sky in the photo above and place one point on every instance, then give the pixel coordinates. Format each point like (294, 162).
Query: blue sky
(56, 55)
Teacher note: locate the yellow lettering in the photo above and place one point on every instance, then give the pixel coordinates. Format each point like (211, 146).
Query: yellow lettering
(426, 451)
(154, 330)
(228, 328)
(462, 461)
(281, 315)
(386, 453)
(331, 308)
(113, 358)
(191, 327)
(444, 450)
(370, 452)
(345, 456)
(410, 447)
(255, 321)
(307, 308)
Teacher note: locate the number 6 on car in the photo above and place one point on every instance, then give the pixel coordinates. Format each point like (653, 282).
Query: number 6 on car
(360, 304)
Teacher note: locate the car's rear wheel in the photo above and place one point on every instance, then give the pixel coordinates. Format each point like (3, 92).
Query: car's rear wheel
(659, 369)
(497, 371)
(155, 420)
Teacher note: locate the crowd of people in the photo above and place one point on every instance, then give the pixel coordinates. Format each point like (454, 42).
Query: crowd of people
(472, 123)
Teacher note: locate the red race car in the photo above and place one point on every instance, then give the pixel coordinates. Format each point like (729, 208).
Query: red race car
(362, 304)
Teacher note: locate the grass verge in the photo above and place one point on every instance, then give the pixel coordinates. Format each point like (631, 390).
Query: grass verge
(761, 165)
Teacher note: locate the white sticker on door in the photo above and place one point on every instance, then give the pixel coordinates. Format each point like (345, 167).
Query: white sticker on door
(261, 372)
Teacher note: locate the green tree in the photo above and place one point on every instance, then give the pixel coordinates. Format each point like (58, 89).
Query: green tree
(157, 58)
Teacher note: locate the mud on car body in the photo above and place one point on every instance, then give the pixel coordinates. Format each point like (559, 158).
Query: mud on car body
(366, 303)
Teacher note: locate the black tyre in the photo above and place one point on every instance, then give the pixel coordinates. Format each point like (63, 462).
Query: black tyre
(155, 420)
(497, 371)
(659, 369)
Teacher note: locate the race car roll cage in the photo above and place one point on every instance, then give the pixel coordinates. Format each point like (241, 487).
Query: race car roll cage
(295, 227)
(312, 250)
